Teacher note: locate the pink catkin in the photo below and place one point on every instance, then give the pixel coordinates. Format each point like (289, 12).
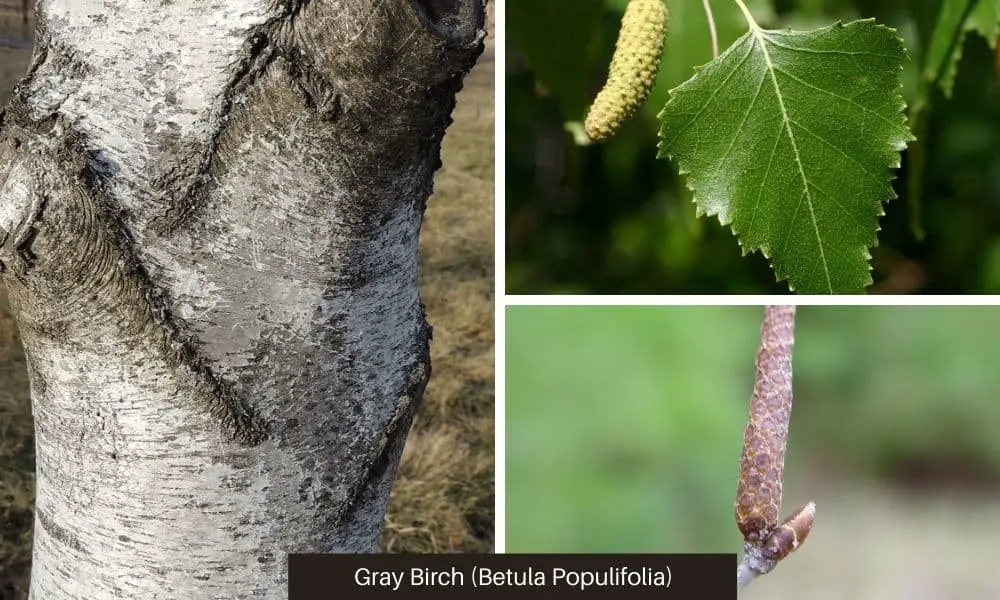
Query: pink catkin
(758, 498)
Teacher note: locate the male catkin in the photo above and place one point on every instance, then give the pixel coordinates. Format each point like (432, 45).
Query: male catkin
(633, 68)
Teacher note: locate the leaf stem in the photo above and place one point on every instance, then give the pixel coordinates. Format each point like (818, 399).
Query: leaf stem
(711, 28)
(746, 13)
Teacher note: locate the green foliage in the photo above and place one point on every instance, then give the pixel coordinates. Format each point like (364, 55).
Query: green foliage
(624, 424)
(790, 136)
(957, 17)
(985, 20)
(610, 218)
(556, 43)
(563, 48)
(914, 383)
(940, 66)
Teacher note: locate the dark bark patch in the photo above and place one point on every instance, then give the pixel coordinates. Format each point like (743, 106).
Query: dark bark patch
(379, 470)
(89, 270)
(98, 168)
(23, 249)
(305, 488)
(184, 183)
(459, 22)
(319, 94)
(58, 532)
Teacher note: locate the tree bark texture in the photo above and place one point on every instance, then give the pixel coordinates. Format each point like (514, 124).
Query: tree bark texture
(209, 215)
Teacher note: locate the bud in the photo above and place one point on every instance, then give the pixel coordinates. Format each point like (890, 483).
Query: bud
(790, 534)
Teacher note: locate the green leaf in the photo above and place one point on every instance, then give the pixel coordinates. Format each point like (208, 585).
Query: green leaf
(791, 137)
(985, 20)
(955, 19)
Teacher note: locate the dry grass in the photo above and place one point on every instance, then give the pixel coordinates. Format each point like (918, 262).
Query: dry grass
(17, 468)
(12, 19)
(17, 465)
(13, 60)
(444, 497)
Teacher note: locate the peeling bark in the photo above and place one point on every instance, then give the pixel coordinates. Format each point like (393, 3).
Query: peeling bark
(209, 216)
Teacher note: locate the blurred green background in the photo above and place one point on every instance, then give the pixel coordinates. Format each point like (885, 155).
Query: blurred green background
(612, 218)
(624, 431)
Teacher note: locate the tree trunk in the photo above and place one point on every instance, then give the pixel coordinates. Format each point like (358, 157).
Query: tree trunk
(209, 215)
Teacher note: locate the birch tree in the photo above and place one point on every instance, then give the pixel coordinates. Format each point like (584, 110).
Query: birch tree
(209, 215)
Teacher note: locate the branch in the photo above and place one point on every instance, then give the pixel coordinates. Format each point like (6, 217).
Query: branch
(744, 575)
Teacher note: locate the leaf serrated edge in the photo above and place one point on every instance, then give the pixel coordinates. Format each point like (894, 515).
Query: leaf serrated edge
(899, 146)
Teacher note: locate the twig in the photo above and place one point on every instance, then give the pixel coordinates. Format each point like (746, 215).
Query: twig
(744, 575)
(711, 28)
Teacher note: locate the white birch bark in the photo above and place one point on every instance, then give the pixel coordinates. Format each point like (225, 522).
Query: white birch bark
(209, 215)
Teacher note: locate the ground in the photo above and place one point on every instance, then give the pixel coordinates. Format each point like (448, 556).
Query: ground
(444, 498)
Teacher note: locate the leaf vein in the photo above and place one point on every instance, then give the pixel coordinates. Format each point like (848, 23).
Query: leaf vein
(839, 150)
(763, 183)
(746, 115)
(718, 89)
(842, 52)
(836, 203)
(835, 95)
(791, 224)
(758, 34)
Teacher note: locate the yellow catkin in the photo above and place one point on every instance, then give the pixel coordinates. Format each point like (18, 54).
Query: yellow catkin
(633, 68)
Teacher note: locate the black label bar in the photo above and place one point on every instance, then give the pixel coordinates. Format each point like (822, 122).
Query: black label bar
(442, 576)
